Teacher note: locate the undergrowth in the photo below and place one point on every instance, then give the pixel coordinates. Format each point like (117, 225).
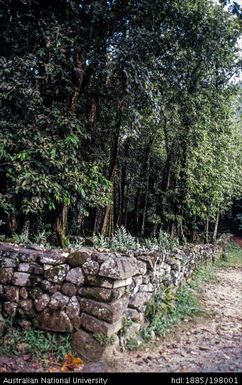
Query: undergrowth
(104, 340)
(42, 345)
(232, 256)
(123, 241)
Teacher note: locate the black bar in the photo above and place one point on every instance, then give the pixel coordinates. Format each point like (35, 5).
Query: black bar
(119, 378)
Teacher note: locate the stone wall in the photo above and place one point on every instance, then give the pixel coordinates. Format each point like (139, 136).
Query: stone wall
(87, 292)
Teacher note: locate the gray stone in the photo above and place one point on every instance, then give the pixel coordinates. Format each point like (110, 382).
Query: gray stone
(109, 269)
(139, 300)
(142, 267)
(41, 302)
(111, 312)
(55, 321)
(91, 267)
(122, 282)
(135, 315)
(35, 292)
(24, 267)
(73, 308)
(150, 263)
(174, 263)
(9, 262)
(57, 274)
(148, 288)
(92, 280)
(75, 276)
(35, 280)
(76, 322)
(95, 325)
(6, 275)
(12, 293)
(27, 306)
(119, 268)
(10, 308)
(47, 267)
(23, 293)
(78, 258)
(99, 257)
(58, 301)
(21, 279)
(69, 289)
(53, 258)
(90, 349)
(138, 280)
(28, 257)
(32, 268)
(101, 293)
(50, 287)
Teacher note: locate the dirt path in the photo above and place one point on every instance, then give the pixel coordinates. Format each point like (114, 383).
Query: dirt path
(203, 345)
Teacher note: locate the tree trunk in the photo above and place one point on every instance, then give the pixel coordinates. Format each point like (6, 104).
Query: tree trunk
(78, 79)
(183, 237)
(12, 223)
(126, 205)
(215, 232)
(207, 231)
(136, 211)
(143, 173)
(98, 220)
(122, 197)
(61, 226)
(108, 221)
(146, 200)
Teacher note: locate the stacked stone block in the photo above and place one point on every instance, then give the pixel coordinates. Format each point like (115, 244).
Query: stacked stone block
(87, 292)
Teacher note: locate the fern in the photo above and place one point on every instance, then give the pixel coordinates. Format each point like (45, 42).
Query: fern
(162, 242)
(123, 241)
(101, 242)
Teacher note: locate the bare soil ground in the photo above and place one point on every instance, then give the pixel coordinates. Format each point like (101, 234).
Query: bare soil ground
(209, 344)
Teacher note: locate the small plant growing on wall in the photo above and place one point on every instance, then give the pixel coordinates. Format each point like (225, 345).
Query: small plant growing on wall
(132, 344)
(104, 340)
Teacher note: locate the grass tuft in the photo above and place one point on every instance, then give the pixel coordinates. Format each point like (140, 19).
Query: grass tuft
(41, 344)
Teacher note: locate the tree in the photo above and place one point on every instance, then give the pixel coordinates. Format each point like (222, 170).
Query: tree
(106, 109)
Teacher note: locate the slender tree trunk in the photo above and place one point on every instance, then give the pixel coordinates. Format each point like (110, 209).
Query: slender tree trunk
(136, 210)
(215, 232)
(146, 200)
(12, 223)
(154, 231)
(207, 231)
(61, 225)
(143, 173)
(183, 237)
(98, 220)
(78, 79)
(122, 192)
(108, 221)
(93, 111)
(61, 222)
(125, 217)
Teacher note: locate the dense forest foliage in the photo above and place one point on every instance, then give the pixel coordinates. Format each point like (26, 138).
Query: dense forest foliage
(119, 113)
